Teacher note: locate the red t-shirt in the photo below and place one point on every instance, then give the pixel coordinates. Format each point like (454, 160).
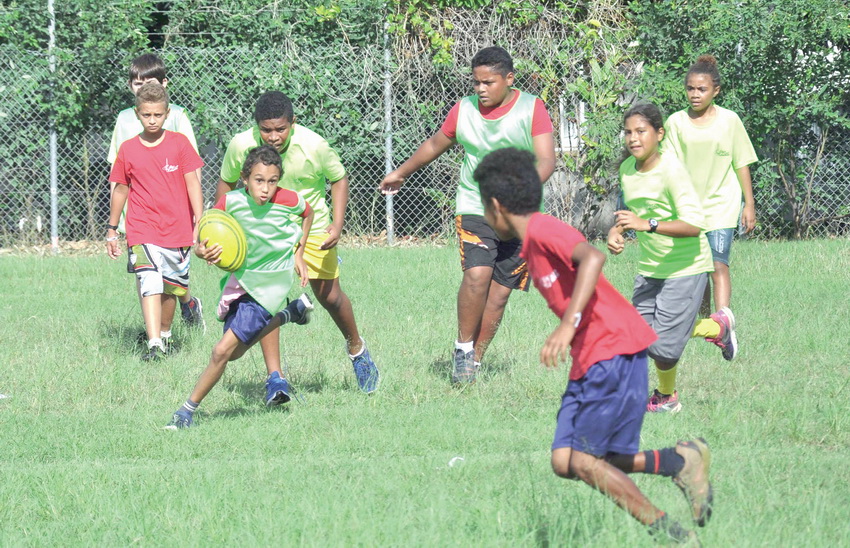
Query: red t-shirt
(610, 325)
(158, 208)
(541, 123)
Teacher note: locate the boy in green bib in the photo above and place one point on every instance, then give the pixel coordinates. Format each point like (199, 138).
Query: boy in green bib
(497, 116)
(253, 299)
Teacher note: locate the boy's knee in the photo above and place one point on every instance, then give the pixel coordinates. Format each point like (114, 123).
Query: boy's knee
(561, 463)
(477, 279)
(221, 354)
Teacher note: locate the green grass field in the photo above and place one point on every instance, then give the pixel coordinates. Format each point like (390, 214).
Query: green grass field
(85, 460)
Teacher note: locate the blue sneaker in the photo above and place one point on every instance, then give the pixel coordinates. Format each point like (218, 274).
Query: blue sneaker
(277, 390)
(300, 310)
(366, 371)
(192, 313)
(180, 419)
(465, 368)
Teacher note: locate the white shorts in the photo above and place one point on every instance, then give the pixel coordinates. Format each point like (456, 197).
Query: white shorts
(160, 269)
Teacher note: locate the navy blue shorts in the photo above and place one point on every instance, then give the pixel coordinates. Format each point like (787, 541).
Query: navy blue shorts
(247, 319)
(602, 412)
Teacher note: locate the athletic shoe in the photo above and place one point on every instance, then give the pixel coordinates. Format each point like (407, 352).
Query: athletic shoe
(180, 419)
(726, 340)
(465, 369)
(661, 403)
(366, 371)
(664, 530)
(692, 479)
(277, 390)
(300, 310)
(154, 353)
(192, 313)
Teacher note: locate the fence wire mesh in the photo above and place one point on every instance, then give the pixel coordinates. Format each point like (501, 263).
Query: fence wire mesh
(340, 93)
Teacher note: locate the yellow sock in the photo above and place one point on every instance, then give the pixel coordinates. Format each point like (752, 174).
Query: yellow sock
(706, 328)
(666, 380)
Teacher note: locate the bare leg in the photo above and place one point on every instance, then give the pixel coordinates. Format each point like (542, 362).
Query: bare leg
(471, 301)
(270, 343)
(607, 479)
(152, 313)
(336, 302)
(722, 282)
(169, 305)
(497, 299)
(221, 354)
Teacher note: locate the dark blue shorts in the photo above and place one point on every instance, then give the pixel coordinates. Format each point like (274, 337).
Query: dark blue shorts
(602, 412)
(247, 319)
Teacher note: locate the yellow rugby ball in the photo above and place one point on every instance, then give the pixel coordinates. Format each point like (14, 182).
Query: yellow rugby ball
(219, 227)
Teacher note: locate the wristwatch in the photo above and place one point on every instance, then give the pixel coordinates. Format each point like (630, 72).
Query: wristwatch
(653, 225)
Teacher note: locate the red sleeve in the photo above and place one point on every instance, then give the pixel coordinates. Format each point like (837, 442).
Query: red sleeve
(449, 127)
(285, 197)
(221, 202)
(188, 156)
(307, 209)
(541, 124)
(290, 198)
(118, 174)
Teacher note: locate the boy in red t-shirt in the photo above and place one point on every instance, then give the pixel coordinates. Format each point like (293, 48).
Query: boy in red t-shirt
(598, 430)
(156, 174)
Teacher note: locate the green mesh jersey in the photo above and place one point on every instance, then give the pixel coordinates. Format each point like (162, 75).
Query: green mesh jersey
(480, 136)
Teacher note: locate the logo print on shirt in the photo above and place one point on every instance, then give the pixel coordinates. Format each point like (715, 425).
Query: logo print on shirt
(548, 280)
(168, 168)
(721, 152)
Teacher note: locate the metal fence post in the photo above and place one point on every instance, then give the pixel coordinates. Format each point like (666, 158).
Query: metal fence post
(388, 131)
(54, 167)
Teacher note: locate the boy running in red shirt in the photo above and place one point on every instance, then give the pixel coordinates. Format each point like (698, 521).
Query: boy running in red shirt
(599, 423)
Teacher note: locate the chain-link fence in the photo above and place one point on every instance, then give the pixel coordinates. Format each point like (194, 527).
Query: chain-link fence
(372, 102)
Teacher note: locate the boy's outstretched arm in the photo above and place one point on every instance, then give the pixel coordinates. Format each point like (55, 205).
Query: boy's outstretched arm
(544, 151)
(588, 261)
(339, 199)
(116, 206)
(300, 264)
(427, 152)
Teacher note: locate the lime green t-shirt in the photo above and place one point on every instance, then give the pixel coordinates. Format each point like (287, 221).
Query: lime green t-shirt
(127, 126)
(480, 136)
(711, 155)
(271, 236)
(309, 163)
(665, 193)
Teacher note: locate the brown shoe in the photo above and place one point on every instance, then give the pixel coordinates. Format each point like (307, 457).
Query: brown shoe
(692, 479)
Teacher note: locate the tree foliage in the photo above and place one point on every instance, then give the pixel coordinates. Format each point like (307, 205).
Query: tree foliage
(786, 70)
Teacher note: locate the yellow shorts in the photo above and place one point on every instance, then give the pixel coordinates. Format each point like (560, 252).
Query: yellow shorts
(322, 264)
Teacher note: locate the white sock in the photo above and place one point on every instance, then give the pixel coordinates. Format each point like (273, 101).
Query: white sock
(155, 342)
(362, 349)
(165, 334)
(467, 347)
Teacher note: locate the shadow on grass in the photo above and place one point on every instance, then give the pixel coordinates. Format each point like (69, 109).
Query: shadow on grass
(441, 369)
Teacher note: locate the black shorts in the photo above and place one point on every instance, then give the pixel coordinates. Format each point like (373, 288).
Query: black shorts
(481, 246)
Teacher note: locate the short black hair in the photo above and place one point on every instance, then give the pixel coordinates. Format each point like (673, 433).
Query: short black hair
(273, 105)
(148, 65)
(266, 154)
(494, 57)
(509, 175)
